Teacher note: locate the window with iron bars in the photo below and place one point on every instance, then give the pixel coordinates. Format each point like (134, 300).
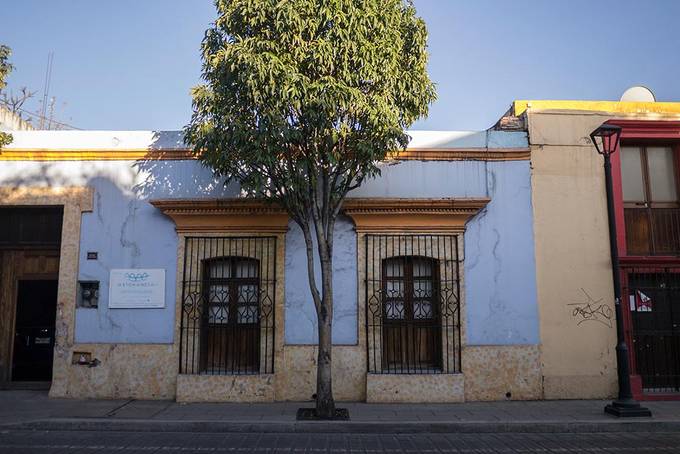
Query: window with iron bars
(412, 304)
(228, 299)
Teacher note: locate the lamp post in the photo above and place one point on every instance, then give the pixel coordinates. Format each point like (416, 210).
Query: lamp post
(606, 140)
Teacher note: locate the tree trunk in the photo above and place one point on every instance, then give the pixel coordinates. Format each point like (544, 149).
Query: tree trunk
(323, 302)
(325, 404)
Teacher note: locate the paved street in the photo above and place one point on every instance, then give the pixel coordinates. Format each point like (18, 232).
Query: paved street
(32, 423)
(27, 406)
(43, 442)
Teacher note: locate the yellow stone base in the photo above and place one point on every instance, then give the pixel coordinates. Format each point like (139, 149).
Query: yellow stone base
(579, 387)
(225, 388)
(127, 371)
(500, 372)
(416, 388)
(296, 374)
(150, 372)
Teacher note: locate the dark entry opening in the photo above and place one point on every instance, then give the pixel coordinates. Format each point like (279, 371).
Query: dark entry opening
(34, 333)
(30, 227)
(654, 307)
(30, 240)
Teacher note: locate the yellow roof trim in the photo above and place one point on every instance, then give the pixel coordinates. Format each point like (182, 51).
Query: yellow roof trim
(411, 154)
(622, 107)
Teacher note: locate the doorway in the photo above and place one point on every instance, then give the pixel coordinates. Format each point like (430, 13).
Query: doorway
(30, 241)
(654, 305)
(34, 330)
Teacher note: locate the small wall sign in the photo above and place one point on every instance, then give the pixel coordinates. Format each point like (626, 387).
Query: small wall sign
(137, 288)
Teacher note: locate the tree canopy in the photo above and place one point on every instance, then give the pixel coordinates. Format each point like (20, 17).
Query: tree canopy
(296, 85)
(302, 99)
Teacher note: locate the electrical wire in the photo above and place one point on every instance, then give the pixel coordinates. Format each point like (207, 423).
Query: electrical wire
(40, 117)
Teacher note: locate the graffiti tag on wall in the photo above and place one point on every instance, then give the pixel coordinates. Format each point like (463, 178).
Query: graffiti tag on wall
(591, 310)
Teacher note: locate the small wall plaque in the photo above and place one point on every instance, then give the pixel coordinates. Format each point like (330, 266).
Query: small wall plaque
(92, 255)
(137, 288)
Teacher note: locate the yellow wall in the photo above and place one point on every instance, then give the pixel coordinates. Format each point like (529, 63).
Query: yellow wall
(649, 109)
(572, 256)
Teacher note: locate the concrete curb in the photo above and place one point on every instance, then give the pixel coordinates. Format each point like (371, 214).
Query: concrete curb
(367, 427)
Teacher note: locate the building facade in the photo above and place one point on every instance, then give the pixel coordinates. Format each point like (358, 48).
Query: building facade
(475, 267)
(166, 284)
(574, 275)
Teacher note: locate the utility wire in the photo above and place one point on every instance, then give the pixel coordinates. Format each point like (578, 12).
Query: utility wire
(27, 112)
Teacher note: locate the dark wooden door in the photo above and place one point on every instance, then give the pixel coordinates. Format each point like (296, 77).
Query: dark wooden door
(34, 330)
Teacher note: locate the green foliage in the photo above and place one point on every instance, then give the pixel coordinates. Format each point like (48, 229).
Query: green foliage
(5, 68)
(5, 139)
(303, 97)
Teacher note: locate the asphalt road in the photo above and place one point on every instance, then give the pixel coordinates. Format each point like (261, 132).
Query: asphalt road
(49, 442)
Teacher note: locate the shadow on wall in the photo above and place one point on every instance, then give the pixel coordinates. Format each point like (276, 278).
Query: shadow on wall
(125, 230)
(166, 176)
(40, 174)
(163, 176)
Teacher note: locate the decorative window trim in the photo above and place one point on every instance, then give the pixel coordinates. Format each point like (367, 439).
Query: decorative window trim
(412, 215)
(368, 214)
(224, 215)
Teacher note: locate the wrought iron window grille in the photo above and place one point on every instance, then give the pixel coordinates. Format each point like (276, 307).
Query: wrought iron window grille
(412, 294)
(228, 302)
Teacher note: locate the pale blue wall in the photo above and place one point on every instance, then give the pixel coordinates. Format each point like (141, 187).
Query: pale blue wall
(128, 232)
(499, 264)
(300, 314)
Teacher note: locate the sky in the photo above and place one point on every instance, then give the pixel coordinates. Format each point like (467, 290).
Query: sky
(130, 64)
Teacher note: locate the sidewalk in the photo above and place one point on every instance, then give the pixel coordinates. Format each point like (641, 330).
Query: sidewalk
(34, 410)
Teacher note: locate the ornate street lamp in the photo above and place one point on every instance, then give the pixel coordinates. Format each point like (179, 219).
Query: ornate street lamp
(606, 141)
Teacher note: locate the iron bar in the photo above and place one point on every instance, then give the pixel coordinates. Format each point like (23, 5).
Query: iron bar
(228, 306)
(412, 304)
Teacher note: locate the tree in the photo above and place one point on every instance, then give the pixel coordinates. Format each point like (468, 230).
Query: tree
(302, 99)
(5, 68)
(14, 102)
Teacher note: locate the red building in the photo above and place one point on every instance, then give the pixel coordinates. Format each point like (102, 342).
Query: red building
(647, 198)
